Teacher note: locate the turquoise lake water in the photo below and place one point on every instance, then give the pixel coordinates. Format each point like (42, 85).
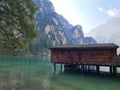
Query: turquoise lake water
(36, 73)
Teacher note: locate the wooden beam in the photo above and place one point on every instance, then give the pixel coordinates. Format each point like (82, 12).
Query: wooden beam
(61, 68)
(114, 70)
(88, 68)
(110, 70)
(54, 67)
(82, 67)
(98, 69)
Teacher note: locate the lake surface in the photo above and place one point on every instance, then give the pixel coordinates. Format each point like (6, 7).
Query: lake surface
(36, 73)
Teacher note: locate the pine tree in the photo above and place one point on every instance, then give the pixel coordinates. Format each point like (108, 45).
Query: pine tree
(16, 24)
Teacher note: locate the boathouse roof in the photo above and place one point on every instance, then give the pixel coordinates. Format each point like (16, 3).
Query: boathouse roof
(87, 46)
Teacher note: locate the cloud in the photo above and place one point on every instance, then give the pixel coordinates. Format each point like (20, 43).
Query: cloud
(113, 12)
(100, 9)
(110, 12)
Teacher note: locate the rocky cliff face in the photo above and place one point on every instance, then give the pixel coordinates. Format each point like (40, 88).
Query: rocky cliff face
(56, 27)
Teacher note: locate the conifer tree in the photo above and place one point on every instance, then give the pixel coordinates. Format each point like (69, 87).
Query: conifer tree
(16, 24)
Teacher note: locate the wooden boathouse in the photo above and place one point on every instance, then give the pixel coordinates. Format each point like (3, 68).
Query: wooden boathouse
(73, 56)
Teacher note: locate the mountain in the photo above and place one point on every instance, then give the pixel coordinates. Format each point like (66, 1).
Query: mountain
(109, 32)
(54, 29)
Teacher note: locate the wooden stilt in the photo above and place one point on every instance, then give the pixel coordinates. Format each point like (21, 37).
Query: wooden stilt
(85, 67)
(97, 69)
(79, 67)
(61, 68)
(82, 67)
(110, 70)
(54, 66)
(88, 68)
(114, 70)
(65, 67)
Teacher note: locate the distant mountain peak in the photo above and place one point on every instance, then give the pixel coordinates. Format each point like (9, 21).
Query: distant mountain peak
(114, 21)
(45, 6)
(109, 32)
(55, 26)
(78, 26)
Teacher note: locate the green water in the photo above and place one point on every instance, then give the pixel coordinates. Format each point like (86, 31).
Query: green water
(31, 73)
(35, 73)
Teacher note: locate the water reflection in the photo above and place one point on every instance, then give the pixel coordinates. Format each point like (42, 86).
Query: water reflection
(36, 73)
(76, 80)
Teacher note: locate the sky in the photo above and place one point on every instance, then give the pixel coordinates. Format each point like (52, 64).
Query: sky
(87, 13)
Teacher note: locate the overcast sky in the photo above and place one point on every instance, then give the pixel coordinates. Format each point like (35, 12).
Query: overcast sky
(88, 13)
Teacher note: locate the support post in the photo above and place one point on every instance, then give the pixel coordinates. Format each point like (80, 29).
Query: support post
(88, 68)
(54, 66)
(85, 67)
(110, 70)
(97, 69)
(114, 70)
(65, 67)
(61, 68)
(82, 67)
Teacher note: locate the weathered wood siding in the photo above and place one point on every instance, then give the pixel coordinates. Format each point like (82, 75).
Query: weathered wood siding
(72, 55)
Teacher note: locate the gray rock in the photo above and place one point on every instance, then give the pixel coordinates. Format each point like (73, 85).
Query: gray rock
(56, 27)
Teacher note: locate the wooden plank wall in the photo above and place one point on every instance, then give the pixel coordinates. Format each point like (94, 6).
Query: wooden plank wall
(83, 56)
